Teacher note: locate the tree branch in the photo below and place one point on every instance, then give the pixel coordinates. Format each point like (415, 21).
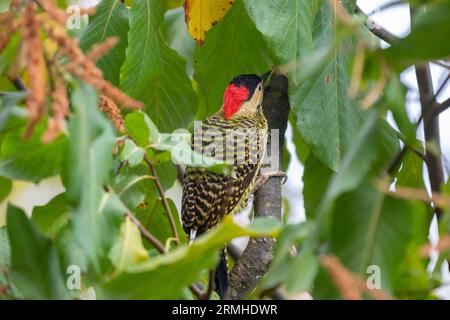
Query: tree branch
(376, 29)
(145, 234)
(441, 107)
(158, 245)
(163, 199)
(431, 129)
(430, 110)
(256, 258)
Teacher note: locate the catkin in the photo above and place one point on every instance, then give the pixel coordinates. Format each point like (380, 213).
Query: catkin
(350, 285)
(35, 66)
(9, 28)
(342, 278)
(60, 110)
(99, 50)
(85, 69)
(110, 108)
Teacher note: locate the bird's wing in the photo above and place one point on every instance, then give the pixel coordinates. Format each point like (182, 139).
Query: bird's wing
(208, 196)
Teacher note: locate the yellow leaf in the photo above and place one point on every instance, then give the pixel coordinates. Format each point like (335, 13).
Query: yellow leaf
(128, 251)
(202, 15)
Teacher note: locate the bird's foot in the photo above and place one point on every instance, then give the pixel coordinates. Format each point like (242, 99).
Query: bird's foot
(262, 179)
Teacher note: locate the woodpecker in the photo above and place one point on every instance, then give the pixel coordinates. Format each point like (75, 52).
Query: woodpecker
(236, 134)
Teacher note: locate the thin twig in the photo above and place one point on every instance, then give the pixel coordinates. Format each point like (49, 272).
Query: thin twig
(442, 246)
(414, 194)
(196, 291)
(147, 235)
(18, 83)
(376, 29)
(441, 107)
(158, 245)
(163, 199)
(209, 291)
(441, 64)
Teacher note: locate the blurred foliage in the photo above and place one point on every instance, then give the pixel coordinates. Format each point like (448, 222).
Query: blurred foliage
(344, 142)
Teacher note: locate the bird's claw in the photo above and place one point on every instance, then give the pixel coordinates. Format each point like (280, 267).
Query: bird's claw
(265, 176)
(280, 174)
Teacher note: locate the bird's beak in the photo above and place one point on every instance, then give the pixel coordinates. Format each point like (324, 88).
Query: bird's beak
(266, 77)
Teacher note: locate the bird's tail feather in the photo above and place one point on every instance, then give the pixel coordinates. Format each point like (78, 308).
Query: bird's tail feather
(221, 276)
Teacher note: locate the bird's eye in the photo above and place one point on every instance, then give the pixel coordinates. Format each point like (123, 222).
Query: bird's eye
(259, 88)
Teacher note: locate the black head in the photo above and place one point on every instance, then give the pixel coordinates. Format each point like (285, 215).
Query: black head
(250, 81)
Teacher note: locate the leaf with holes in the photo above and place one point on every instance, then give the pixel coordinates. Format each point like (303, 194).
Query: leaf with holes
(202, 15)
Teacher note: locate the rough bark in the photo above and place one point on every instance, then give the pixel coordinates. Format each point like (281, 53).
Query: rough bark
(255, 260)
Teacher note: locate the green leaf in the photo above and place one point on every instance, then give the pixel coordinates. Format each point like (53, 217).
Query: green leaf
(368, 153)
(88, 161)
(11, 115)
(361, 159)
(141, 128)
(316, 177)
(4, 5)
(132, 153)
(30, 159)
(234, 46)
(179, 145)
(286, 267)
(286, 26)
(153, 217)
(161, 277)
(428, 39)
(51, 217)
(395, 100)
(177, 37)
(411, 172)
(133, 185)
(9, 53)
(326, 117)
(159, 80)
(5, 248)
(10, 290)
(69, 251)
(301, 148)
(128, 250)
(369, 229)
(34, 261)
(5, 188)
(110, 20)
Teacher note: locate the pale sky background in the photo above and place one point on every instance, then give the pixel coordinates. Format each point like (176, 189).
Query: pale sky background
(395, 19)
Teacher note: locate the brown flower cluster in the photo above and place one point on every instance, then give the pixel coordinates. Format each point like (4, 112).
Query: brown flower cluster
(45, 68)
(9, 26)
(350, 285)
(34, 60)
(110, 108)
